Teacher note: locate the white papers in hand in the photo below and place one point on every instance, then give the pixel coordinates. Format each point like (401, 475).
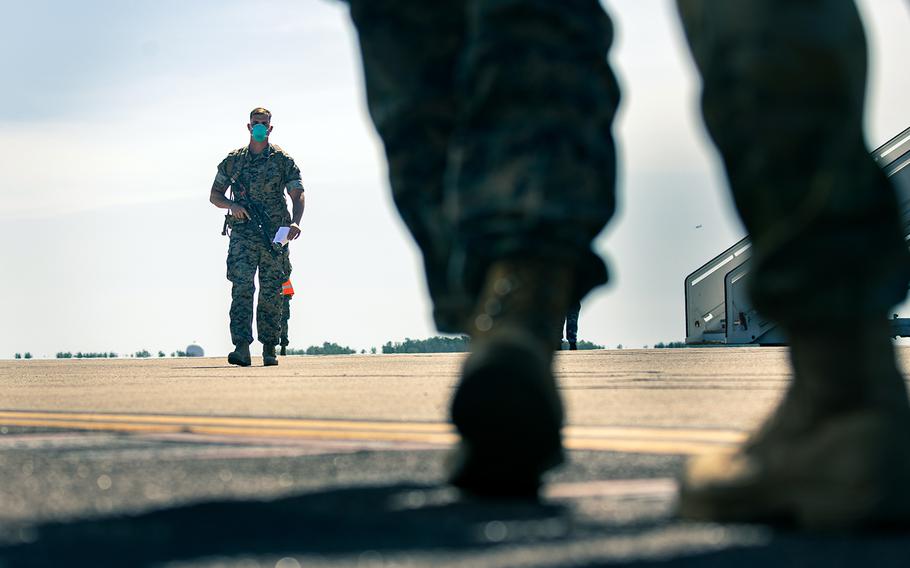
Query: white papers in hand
(281, 235)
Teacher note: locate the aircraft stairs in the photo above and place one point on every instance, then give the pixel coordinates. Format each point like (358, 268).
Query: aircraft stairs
(718, 310)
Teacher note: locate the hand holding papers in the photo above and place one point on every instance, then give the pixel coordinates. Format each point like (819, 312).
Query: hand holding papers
(281, 235)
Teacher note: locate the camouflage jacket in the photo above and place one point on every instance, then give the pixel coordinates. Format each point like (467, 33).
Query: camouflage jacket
(263, 177)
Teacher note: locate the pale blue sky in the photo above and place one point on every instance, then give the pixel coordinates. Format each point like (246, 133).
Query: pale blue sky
(114, 115)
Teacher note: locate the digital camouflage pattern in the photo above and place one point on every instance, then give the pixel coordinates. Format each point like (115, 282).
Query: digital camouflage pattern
(264, 177)
(496, 117)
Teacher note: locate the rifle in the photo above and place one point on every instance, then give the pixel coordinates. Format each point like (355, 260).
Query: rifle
(256, 217)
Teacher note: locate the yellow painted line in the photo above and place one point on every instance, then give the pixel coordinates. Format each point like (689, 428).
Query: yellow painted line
(591, 438)
(235, 421)
(705, 435)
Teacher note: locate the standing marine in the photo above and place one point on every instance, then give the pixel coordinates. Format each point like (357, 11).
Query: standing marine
(258, 175)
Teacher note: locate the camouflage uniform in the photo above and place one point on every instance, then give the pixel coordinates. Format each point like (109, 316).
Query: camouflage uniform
(496, 117)
(572, 322)
(264, 177)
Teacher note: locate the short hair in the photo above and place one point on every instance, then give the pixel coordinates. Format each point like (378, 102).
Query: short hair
(260, 110)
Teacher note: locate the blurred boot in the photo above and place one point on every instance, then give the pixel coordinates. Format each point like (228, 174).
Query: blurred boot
(284, 350)
(507, 408)
(573, 346)
(834, 455)
(268, 356)
(240, 355)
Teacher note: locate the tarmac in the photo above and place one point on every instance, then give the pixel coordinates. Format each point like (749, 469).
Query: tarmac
(339, 461)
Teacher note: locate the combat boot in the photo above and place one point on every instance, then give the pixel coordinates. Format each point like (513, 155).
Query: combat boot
(284, 350)
(240, 355)
(269, 359)
(573, 346)
(834, 455)
(507, 408)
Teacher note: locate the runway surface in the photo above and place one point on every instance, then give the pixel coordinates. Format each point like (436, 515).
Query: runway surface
(339, 461)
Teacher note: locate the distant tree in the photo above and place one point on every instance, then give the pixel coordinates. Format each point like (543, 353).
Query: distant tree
(437, 344)
(173, 354)
(64, 355)
(161, 354)
(18, 355)
(372, 350)
(88, 355)
(670, 345)
(143, 354)
(181, 353)
(27, 355)
(619, 346)
(329, 349)
(583, 345)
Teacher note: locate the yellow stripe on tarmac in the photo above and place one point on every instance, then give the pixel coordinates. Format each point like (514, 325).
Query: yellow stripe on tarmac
(592, 438)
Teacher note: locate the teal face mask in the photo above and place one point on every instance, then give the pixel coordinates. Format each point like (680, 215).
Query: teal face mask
(260, 132)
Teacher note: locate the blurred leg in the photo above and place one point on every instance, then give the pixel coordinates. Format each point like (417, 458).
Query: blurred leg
(783, 100)
(531, 169)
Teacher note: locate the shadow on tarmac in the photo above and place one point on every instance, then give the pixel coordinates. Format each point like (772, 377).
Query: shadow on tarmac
(417, 519)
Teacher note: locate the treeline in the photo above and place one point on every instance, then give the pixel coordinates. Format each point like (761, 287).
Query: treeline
(81, 355)
(670, 345)
(584, 345)
(326, 349)
(142, 354)
(438, 344)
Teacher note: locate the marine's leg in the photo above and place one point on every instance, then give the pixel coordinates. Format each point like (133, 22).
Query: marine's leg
(285, 307)
(572, 324)
(783, 100)
(242, 261)
(532, 167)
(269, 307)
(409, 52)
(285, 316)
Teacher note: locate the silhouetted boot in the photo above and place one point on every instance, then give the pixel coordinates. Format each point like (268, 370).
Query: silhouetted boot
(268, 356)
(835, 454)
(240, 355)
(507, 408)
(284, 350)
(573, 346)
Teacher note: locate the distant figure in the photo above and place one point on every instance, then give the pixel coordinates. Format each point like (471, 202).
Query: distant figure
(287, 293)
(572, 325)
(496, 118)
(257, 175)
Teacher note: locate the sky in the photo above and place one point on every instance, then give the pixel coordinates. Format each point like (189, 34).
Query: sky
(114, 115)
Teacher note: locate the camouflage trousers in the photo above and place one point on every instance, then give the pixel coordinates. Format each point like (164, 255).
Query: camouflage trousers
(285, 316)
(572, 322)
(496, 117)
(247, 253)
